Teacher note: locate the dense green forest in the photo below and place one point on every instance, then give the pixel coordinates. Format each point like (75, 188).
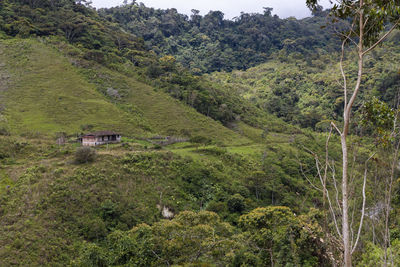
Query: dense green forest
(305, 91)
(222, 124)
(211, 43)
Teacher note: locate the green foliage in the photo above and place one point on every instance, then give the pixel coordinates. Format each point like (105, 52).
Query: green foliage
(379, 119)
(279, 237)
(120, 190)
(91, 255)
(373, 255)
(378, 114)
(190, 238)
(50, 96)
(85, 155)
(236, 203)
(376, 15)
(69, 19)
(202, 238)
(306, 93)
(98, 40)
(81, 103)
(201, 140)
(93, 229)
(83, 72)
(211, 43)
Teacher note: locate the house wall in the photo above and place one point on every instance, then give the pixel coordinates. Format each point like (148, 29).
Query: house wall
(99, 140)
(89, 141)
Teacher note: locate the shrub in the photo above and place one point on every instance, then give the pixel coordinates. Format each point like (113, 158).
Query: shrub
(85, 154)
(94, 229)
(216, 207)
(236, 203)
(201, 140)
(157, 147)
(4, 131)
(4, 155)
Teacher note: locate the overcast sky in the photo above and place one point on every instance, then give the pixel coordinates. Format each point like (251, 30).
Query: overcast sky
(231, 8)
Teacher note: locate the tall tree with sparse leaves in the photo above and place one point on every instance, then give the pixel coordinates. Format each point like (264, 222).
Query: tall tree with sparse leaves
(369, 23)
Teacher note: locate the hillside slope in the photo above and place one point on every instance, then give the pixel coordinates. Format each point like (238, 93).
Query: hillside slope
(46, 94)
(56, 210)
(308, 92)
(51, 208)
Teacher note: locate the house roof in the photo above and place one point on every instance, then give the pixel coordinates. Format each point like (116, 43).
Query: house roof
(101, 133)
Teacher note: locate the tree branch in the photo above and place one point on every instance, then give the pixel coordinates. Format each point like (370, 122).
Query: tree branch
(337, 129)
(328, 197)
(363, 205)
(382, 38)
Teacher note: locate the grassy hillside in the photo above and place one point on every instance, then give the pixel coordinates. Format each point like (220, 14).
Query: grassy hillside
(75, 26)
(52, 208)
(238, 180)
(162, 113)
(45, 93)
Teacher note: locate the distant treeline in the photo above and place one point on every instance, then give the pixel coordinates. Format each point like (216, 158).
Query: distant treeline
(211, 43)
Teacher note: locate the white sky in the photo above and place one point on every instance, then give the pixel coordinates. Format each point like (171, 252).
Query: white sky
(231, 8)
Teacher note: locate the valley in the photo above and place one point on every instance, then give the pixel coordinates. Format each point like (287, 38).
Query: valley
(232, 138)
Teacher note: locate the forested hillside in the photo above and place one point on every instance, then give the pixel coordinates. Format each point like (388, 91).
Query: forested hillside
(305, 91)
(107, 44)
(211, 43)
(66, 211)
(224, 128)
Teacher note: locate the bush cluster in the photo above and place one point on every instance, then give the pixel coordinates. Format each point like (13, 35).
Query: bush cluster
(85, 155)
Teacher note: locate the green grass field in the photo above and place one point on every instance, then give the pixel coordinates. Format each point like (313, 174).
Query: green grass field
(46, 94)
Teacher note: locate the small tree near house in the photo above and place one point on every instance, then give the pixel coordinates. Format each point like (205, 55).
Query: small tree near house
(85, 155)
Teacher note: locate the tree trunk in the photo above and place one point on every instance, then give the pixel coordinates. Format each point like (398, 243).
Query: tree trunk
(346, 125)
(345, 207)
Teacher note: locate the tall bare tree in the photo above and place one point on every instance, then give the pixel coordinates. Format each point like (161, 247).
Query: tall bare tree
(369, 24)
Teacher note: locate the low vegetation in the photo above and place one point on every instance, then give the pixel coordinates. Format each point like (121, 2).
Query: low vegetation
(213, 169)
(85, 155)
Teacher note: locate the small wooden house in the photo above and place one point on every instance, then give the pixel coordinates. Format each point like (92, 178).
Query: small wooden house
(100, 138)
